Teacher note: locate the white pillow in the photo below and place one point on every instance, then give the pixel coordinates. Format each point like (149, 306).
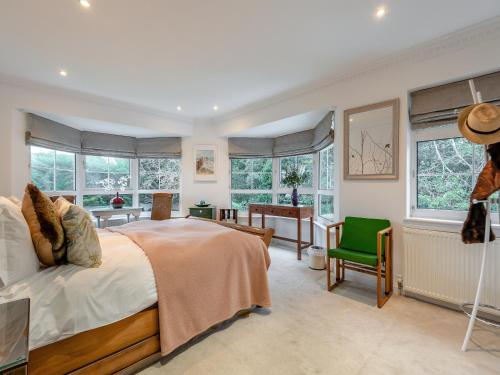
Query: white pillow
(18, 258)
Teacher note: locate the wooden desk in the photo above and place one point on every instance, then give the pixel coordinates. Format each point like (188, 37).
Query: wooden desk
(298, 212)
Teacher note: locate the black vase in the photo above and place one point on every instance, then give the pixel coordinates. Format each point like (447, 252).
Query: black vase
(295, 197)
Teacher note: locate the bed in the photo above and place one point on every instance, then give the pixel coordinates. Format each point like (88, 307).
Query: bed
(112, 318)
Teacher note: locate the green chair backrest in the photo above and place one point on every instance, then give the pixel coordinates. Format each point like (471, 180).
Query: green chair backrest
(360, 234)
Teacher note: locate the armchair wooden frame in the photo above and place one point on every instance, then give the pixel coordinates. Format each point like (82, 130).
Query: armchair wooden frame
(382, 270)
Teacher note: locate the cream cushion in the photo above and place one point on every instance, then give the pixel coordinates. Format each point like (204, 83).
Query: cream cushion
(17, 253)
(82, 243)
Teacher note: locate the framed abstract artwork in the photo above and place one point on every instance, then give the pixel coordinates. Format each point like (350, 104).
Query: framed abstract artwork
(205, 163)
(371, 147)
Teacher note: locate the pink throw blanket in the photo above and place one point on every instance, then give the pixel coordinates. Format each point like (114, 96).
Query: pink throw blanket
(205, 273)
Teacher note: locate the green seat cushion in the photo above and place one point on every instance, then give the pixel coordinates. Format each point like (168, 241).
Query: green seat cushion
(360, 234)
(353, 256)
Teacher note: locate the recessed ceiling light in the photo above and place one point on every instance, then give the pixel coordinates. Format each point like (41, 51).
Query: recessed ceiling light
(350, 119)
(179, 108)
(216, 108)
(63, 73)
(380, 12)
(85, 3)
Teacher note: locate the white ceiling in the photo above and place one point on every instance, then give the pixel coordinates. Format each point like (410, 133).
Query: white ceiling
(284, 126)
(164, 53)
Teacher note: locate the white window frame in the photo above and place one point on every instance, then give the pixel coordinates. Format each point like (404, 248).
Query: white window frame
(301, 190)
(252, 191)
(330, 192)
(57, 192)
(429, 134)
(138, 191)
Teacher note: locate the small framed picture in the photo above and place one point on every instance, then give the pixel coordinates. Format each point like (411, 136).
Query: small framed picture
(205, 162)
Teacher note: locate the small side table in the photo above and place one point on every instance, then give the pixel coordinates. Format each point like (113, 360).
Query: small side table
(107, 213)
(204, 212)
(14, 337)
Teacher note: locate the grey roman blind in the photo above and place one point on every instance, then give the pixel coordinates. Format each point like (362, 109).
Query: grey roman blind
(300, 143)
(46, 133)
(166, 147)
(441, 104)
(108, 145)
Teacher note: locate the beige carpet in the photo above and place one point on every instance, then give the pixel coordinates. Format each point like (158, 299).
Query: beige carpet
(311, 331)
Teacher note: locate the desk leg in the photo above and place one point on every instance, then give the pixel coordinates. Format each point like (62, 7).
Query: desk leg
(249, 218)
(137, 217)
(128, 218)
(263, 221)
(311, 230)
(98, 221)
(299, 239)
(105, 224)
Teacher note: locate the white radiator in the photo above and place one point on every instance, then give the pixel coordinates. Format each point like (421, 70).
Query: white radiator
(438, 265)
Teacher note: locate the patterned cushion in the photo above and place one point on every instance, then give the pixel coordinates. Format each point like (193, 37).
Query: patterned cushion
(82, 243)
(45, 227)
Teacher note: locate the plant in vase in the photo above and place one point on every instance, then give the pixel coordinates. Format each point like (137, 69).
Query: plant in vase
(294, 177)
(110, 184)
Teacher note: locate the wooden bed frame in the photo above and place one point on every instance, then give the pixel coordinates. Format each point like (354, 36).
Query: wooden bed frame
(124, 347)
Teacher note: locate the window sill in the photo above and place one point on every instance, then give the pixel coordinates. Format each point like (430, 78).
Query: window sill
(441, 225)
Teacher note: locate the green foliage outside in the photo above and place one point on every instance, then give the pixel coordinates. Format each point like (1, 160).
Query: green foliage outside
(252, 174)
(159, 174)
(326, 168)
(240, 201)
(146, 201)
(108, 173)
(304, 199)
(447, 171)
(326, 206)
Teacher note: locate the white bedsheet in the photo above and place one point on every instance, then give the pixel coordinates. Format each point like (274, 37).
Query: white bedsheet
(69, 299)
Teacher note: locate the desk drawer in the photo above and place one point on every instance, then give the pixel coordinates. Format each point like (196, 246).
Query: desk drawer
(204, 212)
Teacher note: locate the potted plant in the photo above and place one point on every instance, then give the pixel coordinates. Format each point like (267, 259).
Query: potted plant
(294, 177)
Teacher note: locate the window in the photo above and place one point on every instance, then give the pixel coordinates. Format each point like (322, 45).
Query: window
(107, 173)
(446, 167)
(303, 161)
(255, 175)
(304, 199)
(157, 175)
(103, 200)
(52, 170)
(326, 184)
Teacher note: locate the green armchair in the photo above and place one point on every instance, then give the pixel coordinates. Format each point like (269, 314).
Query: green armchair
(365, 246)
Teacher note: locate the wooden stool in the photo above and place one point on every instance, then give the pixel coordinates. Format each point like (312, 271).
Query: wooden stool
(162, 206)
(226, 214)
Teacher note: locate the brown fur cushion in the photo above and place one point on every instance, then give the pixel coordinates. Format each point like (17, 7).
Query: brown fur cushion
(45, 226)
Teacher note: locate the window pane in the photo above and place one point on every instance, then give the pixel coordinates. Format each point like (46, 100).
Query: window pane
(303, 162)
(252, 174)
(96, 180)
(446, 173)
(119, 180)
(102, 200)
(96, 164)
(65, 160)
(304, 199)
(240, 201)
(241, 181)
(119, 165)
(42, 157)
(170, 172)
(65, 180)
(43, 178)
(146, 201)
(326, 168)
(326, 206)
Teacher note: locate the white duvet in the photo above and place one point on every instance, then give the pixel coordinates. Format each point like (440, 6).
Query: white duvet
(69, 299)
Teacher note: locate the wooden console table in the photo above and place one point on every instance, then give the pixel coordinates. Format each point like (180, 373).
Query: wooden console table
(298, 212)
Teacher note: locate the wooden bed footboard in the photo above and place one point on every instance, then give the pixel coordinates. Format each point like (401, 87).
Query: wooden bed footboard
(266, 234)
(105, 350)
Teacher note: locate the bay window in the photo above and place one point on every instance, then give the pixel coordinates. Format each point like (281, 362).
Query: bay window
(251, 182)
(326, 183)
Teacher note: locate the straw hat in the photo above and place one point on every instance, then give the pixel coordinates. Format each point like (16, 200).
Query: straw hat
(480, 123)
